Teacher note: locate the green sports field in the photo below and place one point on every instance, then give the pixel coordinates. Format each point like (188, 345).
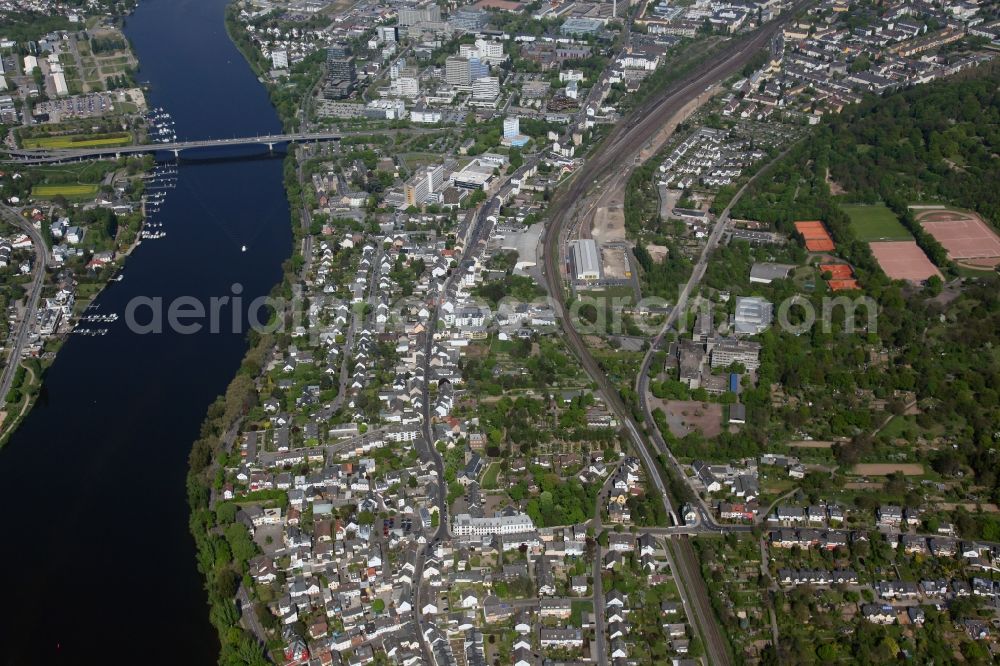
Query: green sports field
(875, 223)
(68, 190)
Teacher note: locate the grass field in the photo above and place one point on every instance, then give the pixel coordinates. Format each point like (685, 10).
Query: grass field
(490, 478)
(78, 141)
(900, 426)
(68, 190)
(80, 172)
(872, 223)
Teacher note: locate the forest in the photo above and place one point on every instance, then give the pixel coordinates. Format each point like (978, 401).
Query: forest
(935, 143)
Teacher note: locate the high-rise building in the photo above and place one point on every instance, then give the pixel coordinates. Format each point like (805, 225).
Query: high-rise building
(340, 63)
(388, 34)
(414, 15)
(468, 19)
(457, 71)
(340, 74)
(486, 88)
(416, 191)
(478, 69)
(435, 176)
(490, 51)
(423, 184)
(484, 50)
(279, 59)
(753, 315)
(511, 127)
(406, 86)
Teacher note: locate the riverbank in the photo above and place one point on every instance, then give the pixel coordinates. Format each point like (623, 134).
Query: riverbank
(213, 521)
(87, 217)
(287, 93)
(86, 244)
(113, 425)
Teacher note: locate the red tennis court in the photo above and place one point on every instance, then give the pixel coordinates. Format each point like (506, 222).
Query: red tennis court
(903, 260)
(837, 271)
(843, 285)
(816, 236)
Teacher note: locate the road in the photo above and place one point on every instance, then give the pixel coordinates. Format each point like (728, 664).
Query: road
(600, 630)
(477, 234)
(34, 293)
(307, 241)
(706, 515)
(43, 156)
(249, 619)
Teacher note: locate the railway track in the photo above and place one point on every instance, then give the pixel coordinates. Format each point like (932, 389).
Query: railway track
(615, 158)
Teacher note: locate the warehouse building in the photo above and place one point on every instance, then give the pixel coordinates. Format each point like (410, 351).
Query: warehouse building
(586, 260)
(766, 273)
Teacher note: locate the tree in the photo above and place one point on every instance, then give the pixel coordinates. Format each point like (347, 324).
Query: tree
(860, 64)
(827, 652)
(225, 513)
(265, 616)
(516, 159)
(240, 544)
(933, 285)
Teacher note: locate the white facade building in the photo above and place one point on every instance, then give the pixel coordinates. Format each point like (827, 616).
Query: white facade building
(486, 88)
(466, 525)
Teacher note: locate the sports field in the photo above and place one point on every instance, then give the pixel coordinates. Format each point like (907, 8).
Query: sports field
(841, 277)
(964, 235)
(903, 260)
(875, 223)
(79, 141)
(815, 235)
(68, 190)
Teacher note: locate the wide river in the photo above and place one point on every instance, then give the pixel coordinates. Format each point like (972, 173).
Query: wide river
(98, 566)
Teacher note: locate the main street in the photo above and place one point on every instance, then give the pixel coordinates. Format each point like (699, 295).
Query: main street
(613, 157)
(34, 293)
(476, 234)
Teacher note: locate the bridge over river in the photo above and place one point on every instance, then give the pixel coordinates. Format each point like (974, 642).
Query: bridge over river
(45, 156)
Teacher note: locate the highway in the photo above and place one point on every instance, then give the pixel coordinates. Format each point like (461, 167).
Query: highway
(614, 156)
(34, 293)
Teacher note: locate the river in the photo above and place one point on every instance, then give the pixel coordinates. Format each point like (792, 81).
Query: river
(99, 567)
